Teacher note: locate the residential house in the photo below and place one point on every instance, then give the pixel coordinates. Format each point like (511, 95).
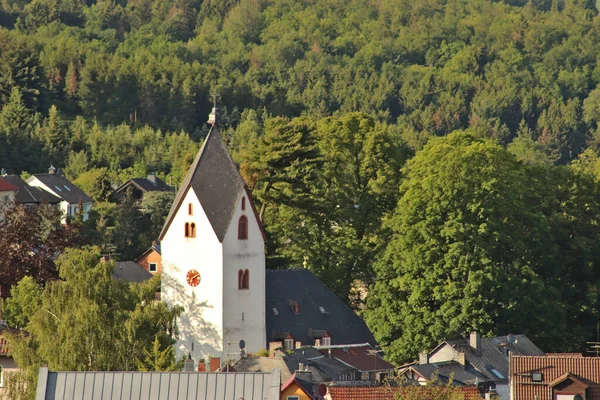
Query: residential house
(140, 186)
(73, 199)
(554, 377)
(151, 259)
(300, 387)
(130, 271)
(7, 191)
(119, 385)
(30, 195)
(303, 311)
(477, 361)
(362, 357)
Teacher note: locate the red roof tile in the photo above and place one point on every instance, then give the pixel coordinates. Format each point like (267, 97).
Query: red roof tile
(391, 393)
(552, 368)
(362, 358)
(7, 186)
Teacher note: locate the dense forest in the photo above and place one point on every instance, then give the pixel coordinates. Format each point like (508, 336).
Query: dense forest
(342, 115)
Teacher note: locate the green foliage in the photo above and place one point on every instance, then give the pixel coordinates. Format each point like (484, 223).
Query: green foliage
(114, 324)
(95, 183)
(24, 301)
(483, 243)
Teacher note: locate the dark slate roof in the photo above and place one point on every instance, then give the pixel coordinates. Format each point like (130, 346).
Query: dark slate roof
(28, 194)
(63, 188)
(323, 369)
(215, 179)
(494, 353)
(262, 364)
(452, 371)
(157, 385)
(288, 286)
(130, 271)
(146, 185)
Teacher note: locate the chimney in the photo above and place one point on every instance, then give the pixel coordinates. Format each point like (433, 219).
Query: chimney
(423, 358)
(201, 366)
(52, 170)
(3, 172)
(475, 342)
(215, 364)
(188, 365)
(152, 178)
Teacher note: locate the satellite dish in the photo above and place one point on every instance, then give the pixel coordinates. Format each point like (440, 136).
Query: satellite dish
(242, 344)
(322, 389)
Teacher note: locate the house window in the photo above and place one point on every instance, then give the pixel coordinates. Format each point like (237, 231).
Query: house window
(190, 209)
(193, 230)
(326, 341)
(243, 203)
(152, 267)
(243, 228)
(288, 344)
(293, 398)
(317, 342)
(243, 279)
(187, 229)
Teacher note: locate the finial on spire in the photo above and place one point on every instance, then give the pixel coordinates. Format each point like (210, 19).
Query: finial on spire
(212, 117)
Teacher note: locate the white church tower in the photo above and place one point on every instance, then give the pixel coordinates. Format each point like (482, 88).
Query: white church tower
(213, 259)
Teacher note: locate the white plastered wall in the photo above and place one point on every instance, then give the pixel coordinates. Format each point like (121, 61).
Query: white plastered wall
(202, 321)
(244, 310)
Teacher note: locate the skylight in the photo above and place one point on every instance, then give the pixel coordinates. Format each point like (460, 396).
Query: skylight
(275, 311)
(66, 187)
(497, 373)
(57, 188)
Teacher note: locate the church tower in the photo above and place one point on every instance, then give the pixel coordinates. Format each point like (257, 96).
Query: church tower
(213, 259)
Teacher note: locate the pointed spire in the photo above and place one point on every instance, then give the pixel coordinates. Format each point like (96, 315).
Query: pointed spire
(212, 117)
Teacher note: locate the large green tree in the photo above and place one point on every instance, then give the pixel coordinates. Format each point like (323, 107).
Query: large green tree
(476, 247)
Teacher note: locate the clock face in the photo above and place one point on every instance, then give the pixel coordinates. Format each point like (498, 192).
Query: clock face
(193, 278)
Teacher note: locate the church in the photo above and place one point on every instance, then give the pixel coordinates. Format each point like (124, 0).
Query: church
(213, 264)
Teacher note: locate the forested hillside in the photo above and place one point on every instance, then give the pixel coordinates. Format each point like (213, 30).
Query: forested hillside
(323, 102)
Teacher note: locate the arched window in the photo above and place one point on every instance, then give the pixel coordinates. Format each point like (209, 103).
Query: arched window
(243, 203)
(240, 279)
(187, 229)
(243, 279)
(192, 230)
(243, 228)
(190, 209)
(246, 279)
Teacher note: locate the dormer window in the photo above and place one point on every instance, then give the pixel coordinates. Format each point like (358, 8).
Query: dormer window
(190, 209)
(326, 341)
(296, 307)
(288, 342)
(243, 228)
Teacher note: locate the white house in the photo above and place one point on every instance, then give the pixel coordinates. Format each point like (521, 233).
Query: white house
(7, 191)
(213, 259)
(72, 197)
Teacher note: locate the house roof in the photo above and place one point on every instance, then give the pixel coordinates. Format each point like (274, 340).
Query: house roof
(262, 364)
(494, 353)
(391, 393)
(6, 186)
(362, 357)
(214, 178)
(323, 369)
(146, 185)
(62, 188)
(130, 271)
(27, 194)
(305, 386)
(284, 288)
(154, 247)
(446, 372)
(554, 370)
(157, 385)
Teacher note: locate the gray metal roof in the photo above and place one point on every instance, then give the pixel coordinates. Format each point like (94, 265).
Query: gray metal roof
(157, 385)
(215, 179)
